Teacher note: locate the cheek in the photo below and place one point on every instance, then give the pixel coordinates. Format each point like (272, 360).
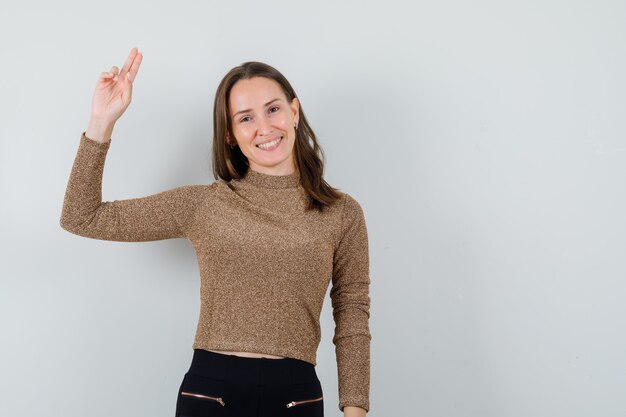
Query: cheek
(282, 124)
(242, 133)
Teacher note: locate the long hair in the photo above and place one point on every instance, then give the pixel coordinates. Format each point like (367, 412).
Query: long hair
(230, 163)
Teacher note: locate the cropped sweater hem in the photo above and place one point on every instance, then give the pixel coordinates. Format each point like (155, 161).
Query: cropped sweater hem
(256, 348)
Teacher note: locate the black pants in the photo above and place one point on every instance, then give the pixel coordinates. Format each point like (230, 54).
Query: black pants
(218, 384)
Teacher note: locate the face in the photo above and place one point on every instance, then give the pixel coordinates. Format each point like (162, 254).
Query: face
(261, 114)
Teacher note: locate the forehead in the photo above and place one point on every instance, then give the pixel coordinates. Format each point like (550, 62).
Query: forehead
(253, 93)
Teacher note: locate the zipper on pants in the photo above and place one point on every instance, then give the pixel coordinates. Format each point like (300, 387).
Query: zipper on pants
(191, 394)
(291, 404)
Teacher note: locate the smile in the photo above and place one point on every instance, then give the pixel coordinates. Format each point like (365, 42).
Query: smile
(270, 146)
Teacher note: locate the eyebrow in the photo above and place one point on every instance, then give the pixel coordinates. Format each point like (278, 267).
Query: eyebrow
(247, 110)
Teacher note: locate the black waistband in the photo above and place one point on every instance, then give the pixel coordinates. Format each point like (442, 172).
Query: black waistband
(252, 370)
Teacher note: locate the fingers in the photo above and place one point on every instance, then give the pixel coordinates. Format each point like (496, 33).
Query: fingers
(132, 73)
(128, 65)
(129, 70)
(111, 74)
(108, 76)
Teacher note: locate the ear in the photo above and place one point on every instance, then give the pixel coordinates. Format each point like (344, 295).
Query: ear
(295, 107)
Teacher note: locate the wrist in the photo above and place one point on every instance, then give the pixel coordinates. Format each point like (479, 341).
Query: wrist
(100, 129)
(354, 411)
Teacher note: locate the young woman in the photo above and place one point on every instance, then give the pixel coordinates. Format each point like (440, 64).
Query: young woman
(269, 234)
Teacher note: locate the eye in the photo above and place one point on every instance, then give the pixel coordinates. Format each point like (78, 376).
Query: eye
(243, 119)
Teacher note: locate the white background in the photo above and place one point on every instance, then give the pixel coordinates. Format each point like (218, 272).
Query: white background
(485, 141)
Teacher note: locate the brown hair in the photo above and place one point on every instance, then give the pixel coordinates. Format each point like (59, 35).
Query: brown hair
(230, 163)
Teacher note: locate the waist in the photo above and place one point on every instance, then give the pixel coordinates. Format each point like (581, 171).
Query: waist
(248, 354)
(257, 370)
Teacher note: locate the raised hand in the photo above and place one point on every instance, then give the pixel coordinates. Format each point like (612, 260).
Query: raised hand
(114, 90)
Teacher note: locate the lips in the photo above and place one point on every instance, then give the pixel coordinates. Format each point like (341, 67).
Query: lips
(271, 140)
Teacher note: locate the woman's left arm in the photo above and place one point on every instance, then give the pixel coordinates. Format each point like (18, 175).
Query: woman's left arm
(351, 310)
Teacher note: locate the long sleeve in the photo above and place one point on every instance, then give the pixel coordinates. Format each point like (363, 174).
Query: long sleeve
(351, 308)
(164, 215)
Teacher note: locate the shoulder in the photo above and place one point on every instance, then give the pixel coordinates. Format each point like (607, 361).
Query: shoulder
(351, 206)
(352, 215)
(196, 190)
(353, 229)
(194, 194)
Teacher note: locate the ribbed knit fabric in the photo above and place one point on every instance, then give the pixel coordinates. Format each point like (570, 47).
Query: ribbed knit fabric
(265, 262)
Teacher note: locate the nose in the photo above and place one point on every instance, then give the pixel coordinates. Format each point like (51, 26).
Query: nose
(265, 126)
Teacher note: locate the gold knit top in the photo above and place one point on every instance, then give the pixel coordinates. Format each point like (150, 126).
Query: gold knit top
(265, 261)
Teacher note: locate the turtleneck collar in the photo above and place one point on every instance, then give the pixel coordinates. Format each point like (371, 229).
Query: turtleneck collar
(260, 179)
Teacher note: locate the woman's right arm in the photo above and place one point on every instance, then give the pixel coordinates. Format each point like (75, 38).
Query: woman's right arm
(159, 216)
(164, 215)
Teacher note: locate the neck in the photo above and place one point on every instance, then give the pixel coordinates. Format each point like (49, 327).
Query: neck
(261, 179)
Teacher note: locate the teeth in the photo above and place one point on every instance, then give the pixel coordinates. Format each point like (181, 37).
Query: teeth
(269, 144)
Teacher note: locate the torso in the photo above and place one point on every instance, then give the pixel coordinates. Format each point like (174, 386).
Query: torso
(248, 354)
